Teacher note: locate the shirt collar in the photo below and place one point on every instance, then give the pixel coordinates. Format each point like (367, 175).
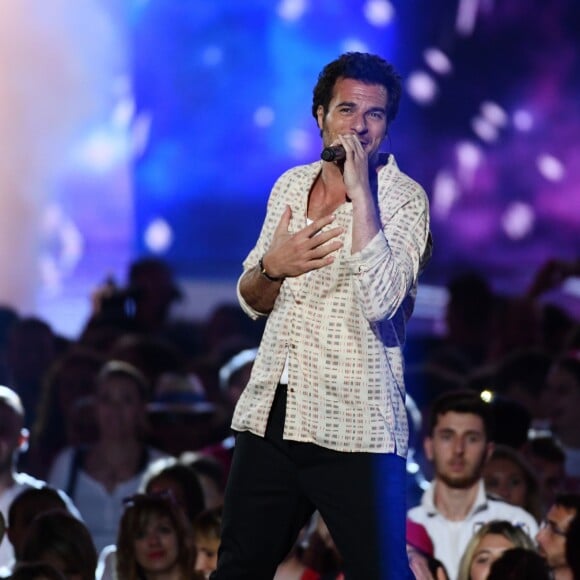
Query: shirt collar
(428, 500)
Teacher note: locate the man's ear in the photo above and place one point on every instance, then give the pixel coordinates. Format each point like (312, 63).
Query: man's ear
(23, 439)
(428, 447)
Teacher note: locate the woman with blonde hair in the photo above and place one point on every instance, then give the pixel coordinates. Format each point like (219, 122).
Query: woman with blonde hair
(155, 541)
(489, 542)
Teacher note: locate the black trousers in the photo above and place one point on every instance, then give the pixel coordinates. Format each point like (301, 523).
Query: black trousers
(274, 487)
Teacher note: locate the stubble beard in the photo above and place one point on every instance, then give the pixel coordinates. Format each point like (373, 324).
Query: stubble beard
(463, 481)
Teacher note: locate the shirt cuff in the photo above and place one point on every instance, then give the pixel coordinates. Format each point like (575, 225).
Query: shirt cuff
(253, 314)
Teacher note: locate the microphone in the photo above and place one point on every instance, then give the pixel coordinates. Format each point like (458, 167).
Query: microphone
(334, 153)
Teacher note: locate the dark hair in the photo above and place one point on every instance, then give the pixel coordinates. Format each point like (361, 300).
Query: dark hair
(36, 571)
(569, 363)
(59, 533)
(547, 447)
(526, 368)
(208, 523)
(569, 501)
(206, 465)
(572, 543)
(139, 509)
(368, 68)
(435, 566)
(511, 420)
(518, 563)
(462, 401)
(184, 476)
(33, 498)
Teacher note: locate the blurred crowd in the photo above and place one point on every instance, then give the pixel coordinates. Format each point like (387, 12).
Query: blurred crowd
(115, 446)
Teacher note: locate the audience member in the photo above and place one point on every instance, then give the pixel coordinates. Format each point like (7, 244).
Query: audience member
(459, 441)
(166, 478)
(212, 475)
(517, 326)
(13, 439)
(69, 382)
(206, 539)
(508, 476)
(168, 475)
(487, 544)
(314, 556)
(154, 540)
(563, 401)
(469, 316)
(30, 350)
(152, 355)
(99, 476)
(234, 375)
(547, 458)
(180, 416)
(27, 506)
(511, 421)
(420, 552)
(61, 540)
(143, 305)
(551, 538)
(521, 377)
(517, 564)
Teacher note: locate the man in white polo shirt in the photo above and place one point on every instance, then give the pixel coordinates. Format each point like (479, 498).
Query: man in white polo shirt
(458, 443)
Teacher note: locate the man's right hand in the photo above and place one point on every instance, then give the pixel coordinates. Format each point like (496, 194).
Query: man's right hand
(308, 249)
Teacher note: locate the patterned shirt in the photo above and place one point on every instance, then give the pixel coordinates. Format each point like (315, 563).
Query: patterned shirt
(341, 327)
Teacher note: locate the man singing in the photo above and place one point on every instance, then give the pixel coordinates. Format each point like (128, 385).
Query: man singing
(322, 422)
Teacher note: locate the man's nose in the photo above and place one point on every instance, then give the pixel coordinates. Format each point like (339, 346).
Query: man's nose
(359, 123)
(459, 446)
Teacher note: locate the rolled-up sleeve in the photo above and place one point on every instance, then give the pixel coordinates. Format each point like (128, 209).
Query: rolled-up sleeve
(388, 267)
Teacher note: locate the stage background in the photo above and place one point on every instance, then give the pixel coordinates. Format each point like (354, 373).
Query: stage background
(157, 127)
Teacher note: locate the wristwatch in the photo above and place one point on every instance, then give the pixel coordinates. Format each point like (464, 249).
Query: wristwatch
(265, 274)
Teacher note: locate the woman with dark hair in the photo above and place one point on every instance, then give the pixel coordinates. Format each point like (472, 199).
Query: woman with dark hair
(154, 541)
(97, 477)
(59, 539)
(165, 476)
